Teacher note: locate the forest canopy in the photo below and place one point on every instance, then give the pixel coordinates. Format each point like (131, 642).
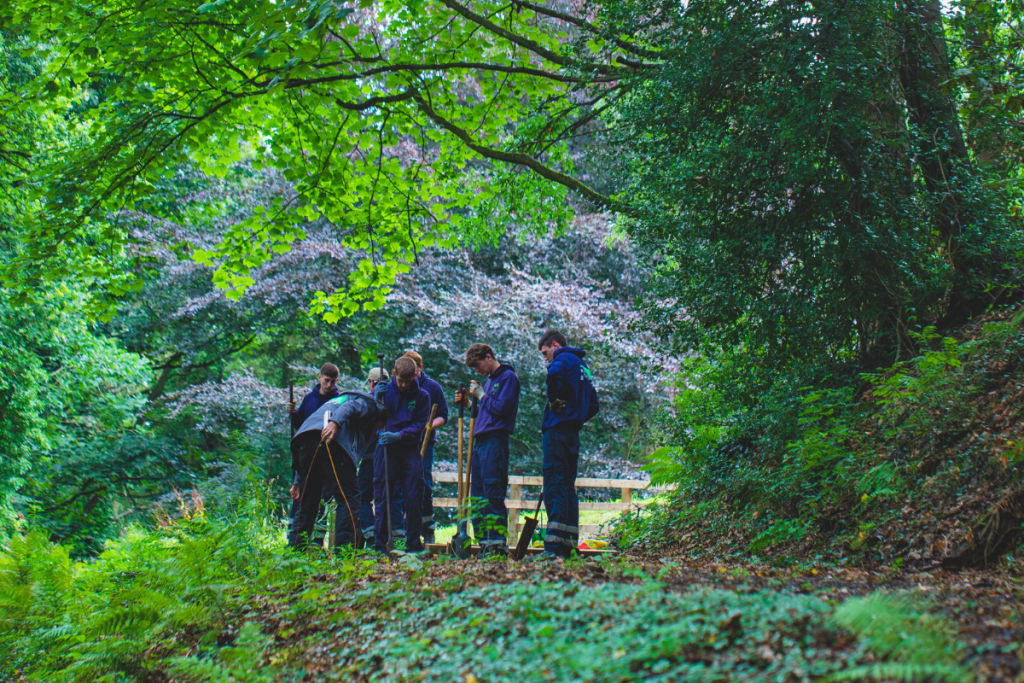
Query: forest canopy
(202, 197)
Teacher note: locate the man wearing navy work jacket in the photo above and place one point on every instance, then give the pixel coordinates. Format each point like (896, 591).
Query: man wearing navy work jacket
(408, 409)
(328, 446)
(572, 401)
(497, 407)
(436, 394)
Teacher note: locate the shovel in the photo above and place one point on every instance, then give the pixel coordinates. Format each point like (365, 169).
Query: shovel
(528, 528)
(428, 430)
(462, 410)
(461, 542)
(390, 545)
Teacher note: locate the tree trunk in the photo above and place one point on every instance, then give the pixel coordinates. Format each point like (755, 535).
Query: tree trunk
(943, 159)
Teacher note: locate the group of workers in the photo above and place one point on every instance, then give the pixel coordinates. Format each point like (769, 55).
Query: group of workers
(351, 445)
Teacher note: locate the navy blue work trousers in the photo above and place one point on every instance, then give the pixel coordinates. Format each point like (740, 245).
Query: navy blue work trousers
(366, 506)
(405, 470)
(561, 450)
(490, 481)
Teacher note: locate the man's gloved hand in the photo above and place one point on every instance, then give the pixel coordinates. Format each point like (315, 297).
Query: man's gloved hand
(291, 406)
(388, 438)
(379, 390)
(557, 406)
(476, 389)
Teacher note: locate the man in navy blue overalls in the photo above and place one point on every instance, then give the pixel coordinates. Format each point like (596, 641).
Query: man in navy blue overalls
(436, 394)
(572, 401)
(497, 408)
(398, 455)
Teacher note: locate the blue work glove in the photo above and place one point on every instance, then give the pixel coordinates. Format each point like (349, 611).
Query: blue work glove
(379, 391)
(388, 438)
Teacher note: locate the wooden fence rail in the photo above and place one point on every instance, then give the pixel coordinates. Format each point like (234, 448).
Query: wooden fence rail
(516, 504)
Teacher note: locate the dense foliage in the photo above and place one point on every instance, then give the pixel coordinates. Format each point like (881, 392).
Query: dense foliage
(214, 597)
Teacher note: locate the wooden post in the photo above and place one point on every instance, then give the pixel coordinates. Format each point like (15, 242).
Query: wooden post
(627, 495)
(516, 493)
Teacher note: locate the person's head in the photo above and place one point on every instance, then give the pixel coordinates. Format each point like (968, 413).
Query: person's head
(328, 378)
(418, 359)
(405, 373)
(550, 343)
(481, 358)
(374, 376)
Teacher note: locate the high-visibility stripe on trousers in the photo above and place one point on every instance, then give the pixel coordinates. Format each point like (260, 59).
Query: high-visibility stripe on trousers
(561, 450)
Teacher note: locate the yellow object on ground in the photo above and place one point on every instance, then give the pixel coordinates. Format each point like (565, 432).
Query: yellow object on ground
(592, 545)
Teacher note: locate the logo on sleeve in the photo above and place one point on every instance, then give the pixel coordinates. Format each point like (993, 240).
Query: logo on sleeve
(339, 399)
(586, 373)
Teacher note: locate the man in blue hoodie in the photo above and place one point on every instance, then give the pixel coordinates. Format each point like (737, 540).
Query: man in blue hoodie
(436, 394)
(324, 390)
(497, 408)
(408, 409)
(572, 401)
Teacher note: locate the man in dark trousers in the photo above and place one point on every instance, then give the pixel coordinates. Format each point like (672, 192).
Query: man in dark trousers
(572, 401)
(328, 446)
(497, 408)
(366, 502)
(408, 409)
(436, 394)
(325, 389)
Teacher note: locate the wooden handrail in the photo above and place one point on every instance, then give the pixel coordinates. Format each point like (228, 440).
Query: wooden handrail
(516, 504)
(582, 482)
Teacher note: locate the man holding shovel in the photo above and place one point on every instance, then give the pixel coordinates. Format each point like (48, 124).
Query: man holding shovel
(398, 455)
(436, 394)
(366, 501)
(572, 401)
(498, 406)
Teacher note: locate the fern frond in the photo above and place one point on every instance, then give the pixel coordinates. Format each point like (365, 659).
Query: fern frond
(898, 629)
(901, 671)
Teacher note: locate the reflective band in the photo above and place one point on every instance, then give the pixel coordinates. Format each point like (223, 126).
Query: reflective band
(555, 526)
(368, 530)
(551, 538)
(399, 533)
(491, 542)
(574, 530)
(428, 519)
(569, 542)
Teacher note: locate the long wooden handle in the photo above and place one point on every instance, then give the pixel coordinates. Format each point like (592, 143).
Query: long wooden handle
(426, 432)
(462, 388)
(469, 463)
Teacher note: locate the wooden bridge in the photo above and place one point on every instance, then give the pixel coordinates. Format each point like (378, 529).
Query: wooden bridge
(516, 504)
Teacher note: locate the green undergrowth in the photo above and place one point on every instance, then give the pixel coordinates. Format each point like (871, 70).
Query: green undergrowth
(558, 632)
(157, 599)
(220, 599)
(854, 467)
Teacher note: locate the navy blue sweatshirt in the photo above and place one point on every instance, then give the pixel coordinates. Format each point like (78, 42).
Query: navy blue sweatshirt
(311, 403)
(436, 394)
(408, 412)
(569, 381)
(497, 410)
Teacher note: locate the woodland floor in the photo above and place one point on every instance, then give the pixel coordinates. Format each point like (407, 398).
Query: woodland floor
(634, 617)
